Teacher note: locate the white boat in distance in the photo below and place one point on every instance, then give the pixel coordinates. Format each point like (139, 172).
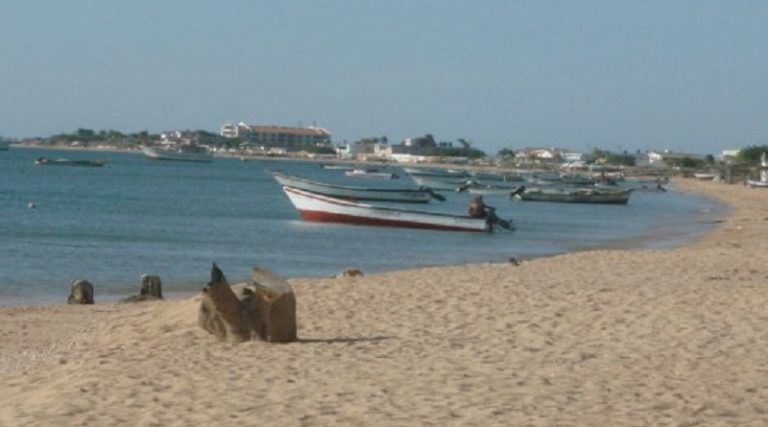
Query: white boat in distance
(439, 173)
(319, 208)
(404, 195)
(184, 153)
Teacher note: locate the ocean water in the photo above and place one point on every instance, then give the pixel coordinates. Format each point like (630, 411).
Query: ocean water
(134, 216)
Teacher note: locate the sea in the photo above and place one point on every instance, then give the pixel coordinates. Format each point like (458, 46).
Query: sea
(110, 225)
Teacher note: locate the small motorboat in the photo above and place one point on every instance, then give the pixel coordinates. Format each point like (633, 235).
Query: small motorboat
(319, 208)
(45, 161)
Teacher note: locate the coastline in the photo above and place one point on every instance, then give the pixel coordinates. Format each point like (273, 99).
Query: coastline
(595, 337)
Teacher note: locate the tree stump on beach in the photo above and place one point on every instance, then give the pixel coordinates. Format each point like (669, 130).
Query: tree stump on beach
(264, 308)
(151, 289)
(80, 292)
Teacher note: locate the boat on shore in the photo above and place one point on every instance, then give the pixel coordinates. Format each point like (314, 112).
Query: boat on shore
(319, 208)
(183, 153)
(45, 161)
(400, 195)
(366, 173)
(705, 176)
(757, 184)
(577, 195)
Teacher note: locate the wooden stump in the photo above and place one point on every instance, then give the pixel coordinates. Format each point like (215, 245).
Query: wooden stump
(80, 292)
(264, 308)
(151, 289)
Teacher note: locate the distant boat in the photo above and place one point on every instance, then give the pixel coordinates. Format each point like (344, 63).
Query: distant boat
(577, 195)
(490, 190)
(435, 183)
(184, 153)
(365, 173)
(319, 208)
(705, 176)
(437, 173)
(337, 167)
(44, 161)
(757, 184)
(494, 177)
(422, 195)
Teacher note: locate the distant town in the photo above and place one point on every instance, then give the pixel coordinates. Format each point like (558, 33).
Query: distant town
(312, 142)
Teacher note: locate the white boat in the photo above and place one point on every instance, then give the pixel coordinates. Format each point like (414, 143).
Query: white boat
(403, 195)
(490, 190)
(319, 208)
(705, 176)
(363, 173)
(184, 153)
(337, 167)
(757, 184)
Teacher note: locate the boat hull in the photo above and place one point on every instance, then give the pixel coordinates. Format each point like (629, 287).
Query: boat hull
(175, 154)
(438, 184)
(354, 193)
(612, 198)
(319, 208)
(757, 184)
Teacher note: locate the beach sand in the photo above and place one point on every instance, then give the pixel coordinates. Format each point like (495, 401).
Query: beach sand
(599, 338)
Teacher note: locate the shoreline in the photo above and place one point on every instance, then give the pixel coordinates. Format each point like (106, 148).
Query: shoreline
(599, 337)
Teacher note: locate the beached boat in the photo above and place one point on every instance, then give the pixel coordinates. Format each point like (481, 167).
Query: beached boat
(319, 208)
(577, 195)
(403, 195)
(45, 161)
(184, 153)
(705, 176)
(365, 173)
(757, 184)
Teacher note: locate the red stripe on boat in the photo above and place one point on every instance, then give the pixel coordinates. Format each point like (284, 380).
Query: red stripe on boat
(318, 216)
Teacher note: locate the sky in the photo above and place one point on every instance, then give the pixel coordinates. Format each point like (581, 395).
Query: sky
(690, 76)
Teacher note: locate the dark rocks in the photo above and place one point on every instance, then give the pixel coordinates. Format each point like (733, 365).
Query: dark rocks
(151, 289)
(80, 292)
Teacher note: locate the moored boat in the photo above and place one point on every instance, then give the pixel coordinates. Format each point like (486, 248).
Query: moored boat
(401, 195)
(184, 153)
(319, 208)
(435, 183)
(577, 195)
(337, 167)
(437, 173)
(45, 161)
(490, 190)
(364, 173)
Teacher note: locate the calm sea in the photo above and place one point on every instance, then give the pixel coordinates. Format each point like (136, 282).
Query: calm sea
(134, 216)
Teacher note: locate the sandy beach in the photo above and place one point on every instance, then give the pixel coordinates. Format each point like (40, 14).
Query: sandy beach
(598, 338)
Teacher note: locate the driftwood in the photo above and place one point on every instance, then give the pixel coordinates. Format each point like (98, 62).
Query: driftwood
(80, 292)
(264, 308)
(151, 289)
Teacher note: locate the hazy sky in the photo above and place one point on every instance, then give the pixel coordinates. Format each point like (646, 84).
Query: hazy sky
(684, 75)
